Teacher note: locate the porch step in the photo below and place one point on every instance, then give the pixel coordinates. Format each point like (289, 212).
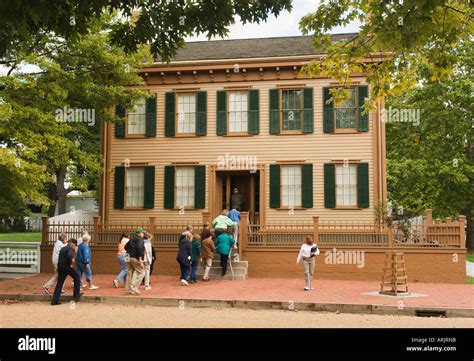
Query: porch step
(240, 269)
(217, 271)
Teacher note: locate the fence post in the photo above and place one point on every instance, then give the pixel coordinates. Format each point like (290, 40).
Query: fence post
(151, 225)
(429, 217)
(243, 232)
(95, 234)
(45, 230)
(316, 229)
(206, 217)
(462, 232)
(389, 231)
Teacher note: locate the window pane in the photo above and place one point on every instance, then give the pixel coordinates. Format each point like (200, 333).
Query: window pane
(291, 186)
(185, 187)
(136, 118)
(346, 111)
(238, 111)
(346, 184)
(186, 113)
(135, 186)
(291, 109)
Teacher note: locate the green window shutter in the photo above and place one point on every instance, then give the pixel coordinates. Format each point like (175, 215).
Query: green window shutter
(169, 187)
(200, 187)
(308, 113)
(307, 185)
(221, 116)
(328, 112)
(201, 113)
(170, 114)
(254, 111)
(363, 121)
(150, 110)
(149, 196)
(119, 123)
(274, 111)
(119, 187)
(274, 186)
(363, 185)
(329, 185)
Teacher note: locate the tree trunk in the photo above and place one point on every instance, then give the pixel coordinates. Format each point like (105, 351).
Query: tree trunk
(470, 230)
(53, 197)
(61, 190)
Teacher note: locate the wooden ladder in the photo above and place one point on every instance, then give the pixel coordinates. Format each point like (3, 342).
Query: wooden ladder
(394, 274)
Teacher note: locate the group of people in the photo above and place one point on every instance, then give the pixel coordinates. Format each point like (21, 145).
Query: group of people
(136, 256)
(195, 248)
(70, 257)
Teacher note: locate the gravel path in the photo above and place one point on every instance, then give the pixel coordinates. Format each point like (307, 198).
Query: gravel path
(31, 315)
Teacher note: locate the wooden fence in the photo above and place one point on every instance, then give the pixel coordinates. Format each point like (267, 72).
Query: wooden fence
(353, 234)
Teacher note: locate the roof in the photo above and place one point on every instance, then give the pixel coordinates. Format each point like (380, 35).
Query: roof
(252, 48)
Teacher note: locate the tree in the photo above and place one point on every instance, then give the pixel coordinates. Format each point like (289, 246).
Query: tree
(431, 164)
(39, 124)
(415, 34)
(162, 23)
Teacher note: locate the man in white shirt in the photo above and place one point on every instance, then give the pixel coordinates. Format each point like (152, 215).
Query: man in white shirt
(307, 252)
(60, 243)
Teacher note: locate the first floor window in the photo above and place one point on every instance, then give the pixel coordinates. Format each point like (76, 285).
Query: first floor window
(136, 118)
(185, 186)
(291, 186)
(346, 112)
(186, 113)
(346, 184)
(291, 109)
(134, 187)
(238, 120)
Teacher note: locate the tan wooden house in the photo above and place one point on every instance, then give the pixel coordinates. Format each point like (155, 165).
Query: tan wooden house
(238, 114)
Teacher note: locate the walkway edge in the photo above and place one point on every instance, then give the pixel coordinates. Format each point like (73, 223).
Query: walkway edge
(269, 305)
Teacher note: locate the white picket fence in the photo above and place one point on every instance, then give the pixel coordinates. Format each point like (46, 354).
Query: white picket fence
(20, 257)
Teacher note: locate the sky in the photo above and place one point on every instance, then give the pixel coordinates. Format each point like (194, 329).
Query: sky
(287, 24)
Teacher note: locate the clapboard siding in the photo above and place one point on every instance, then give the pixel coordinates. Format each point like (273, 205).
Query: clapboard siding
(317, 148)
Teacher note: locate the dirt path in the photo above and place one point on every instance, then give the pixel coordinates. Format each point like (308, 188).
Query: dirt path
(33, 315)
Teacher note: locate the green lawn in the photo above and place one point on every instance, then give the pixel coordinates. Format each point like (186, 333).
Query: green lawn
(470, 256)
(21, 237)
(470, 280)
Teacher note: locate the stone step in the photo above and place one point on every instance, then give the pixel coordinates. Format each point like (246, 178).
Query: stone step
(216, 263)
(228, 276)
(217, 271)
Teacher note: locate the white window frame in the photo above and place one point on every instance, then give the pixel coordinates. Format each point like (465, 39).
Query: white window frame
(346, 185)
(136, 118)
(238, 118)
(291, 185)
(184, 187)
(135, 187)
(186, 113)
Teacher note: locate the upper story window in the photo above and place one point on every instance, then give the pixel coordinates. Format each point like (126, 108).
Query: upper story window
(185, 177)
(345, 111)
(238, 111)
(186, 116)
(291, 109)
(136, 118)
(134, 186)
(346, 184)
(291, 186)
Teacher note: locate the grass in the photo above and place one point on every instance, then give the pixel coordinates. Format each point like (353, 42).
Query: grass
(470, 280)
(470, 256)
(21, 237)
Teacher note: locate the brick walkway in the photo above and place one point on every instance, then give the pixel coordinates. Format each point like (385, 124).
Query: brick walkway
(268, 289)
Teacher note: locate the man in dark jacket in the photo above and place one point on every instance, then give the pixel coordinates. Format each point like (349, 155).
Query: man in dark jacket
(135, 268)
(184, 258)
(65, 262)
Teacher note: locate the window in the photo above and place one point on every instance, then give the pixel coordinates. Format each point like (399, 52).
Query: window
(346, 184)
(185, 186)
(136, 118)
(291, 109)
(345, 112)
(291, 186)
(186, 113)
(134, 187)
(238, 116)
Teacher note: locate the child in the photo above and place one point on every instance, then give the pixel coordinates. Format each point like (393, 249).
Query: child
(196, 247)
(307, 252)
(207, 251)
